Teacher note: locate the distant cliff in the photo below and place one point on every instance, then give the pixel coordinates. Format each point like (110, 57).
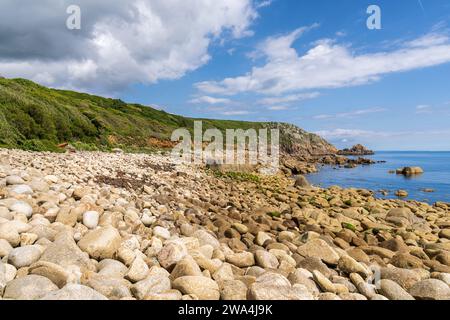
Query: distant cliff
(34, 117)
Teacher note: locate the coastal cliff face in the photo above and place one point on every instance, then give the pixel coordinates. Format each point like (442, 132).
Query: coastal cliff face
(297, 142)
(37, 118)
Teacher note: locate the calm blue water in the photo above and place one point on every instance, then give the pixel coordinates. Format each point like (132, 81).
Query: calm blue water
(376, 177)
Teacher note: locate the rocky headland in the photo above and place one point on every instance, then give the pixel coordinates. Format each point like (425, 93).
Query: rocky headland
(94, 225)
(356, 150)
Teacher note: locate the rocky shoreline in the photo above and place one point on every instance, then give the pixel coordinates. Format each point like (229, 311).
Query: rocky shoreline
(91, 225)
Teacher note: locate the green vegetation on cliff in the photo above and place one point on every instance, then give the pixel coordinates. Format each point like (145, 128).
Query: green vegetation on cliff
(34, 117)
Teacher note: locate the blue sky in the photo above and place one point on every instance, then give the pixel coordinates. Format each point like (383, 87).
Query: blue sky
(311, 63)
(401, 111)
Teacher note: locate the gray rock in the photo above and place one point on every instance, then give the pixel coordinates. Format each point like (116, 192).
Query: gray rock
(204, 288)
(274, 286)
(430, 289)
(266, 260)
(31, 287)
(74, 292)
(22, 208)
(318, 248)
(152, 284)
(101, 243)
(393, 291)
(22, 189)
(24, 256)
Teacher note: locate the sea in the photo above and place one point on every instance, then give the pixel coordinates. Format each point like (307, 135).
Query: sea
(376, 177)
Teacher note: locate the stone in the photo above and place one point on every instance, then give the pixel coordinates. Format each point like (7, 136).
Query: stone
(9, 234)
(22, 207)
(233, 290)
(152, 284)
(30, 287)
(206, 238)
(406, 261)
(324, 283)
(112, 268)
(65, 252)
(186, 267)
(404, 277)
(204, 288)
(261, 238)
(74, 292)
(5, 248)
(349, 265)
(266, 260)
(57, 274)
(241, 259)
(138, 270)
(112, 288)
(445, 233)
(393, 291)
(171, 253)
(318, 248)
(312, 263)
(161, 232)
(430, 289)
(168, 295)
(299, 277)
(101, 243)
(301, 182)
(22, 189)
(274, 286)
(24, 256)
(13, 180)
(90, 219)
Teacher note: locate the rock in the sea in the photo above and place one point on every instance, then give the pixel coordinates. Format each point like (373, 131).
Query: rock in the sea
(101, 243)
(407, 171)
(401, 193)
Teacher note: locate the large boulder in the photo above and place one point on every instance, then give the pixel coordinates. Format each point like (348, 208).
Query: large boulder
(318, 248)
(101, 243)
(30, 287)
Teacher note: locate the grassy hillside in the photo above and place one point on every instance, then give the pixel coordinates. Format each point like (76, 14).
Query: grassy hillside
(34, 117)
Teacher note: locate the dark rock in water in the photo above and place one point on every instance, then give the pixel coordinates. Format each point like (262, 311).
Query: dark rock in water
(356, 150)
(428, 190)
(408, 171)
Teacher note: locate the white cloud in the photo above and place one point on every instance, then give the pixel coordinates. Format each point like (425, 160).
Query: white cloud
(277, 108)
(210, 100)
(289, 98)
(235, 112)
(120, 42)
(351, 114)
(423, 109)
(328, 65)
(350, 134)
(264, 3)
